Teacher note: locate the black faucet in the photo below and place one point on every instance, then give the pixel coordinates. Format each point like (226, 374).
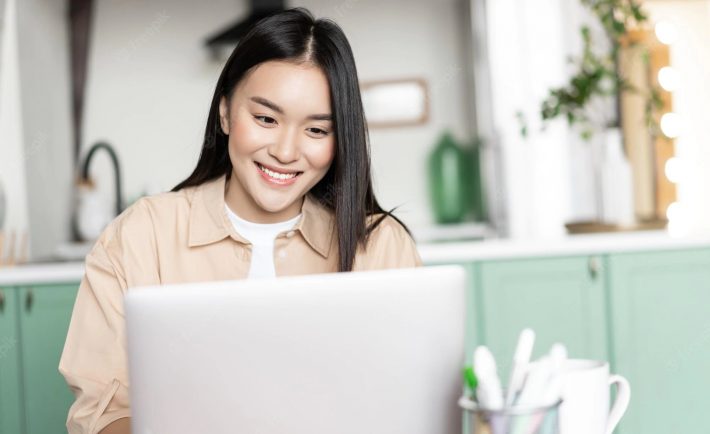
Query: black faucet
(117, 170)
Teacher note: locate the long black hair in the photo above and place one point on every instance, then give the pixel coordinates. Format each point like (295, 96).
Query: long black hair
(346, 189)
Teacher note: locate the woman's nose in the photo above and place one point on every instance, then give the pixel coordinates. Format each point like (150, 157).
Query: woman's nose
(285, 148)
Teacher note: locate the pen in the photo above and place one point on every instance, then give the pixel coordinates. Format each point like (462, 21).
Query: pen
(521, 359)
(544, 385)
(489, 392)
(553, 392)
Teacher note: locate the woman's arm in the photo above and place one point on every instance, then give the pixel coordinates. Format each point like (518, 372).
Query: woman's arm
(94, 358)
(121, 426)
(94, 361)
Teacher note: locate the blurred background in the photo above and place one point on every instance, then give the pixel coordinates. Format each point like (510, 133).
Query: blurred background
(557, 148)
(138, 76)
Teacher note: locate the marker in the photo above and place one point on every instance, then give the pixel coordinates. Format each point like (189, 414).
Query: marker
(470, 378)
(553, 392)
(521, 359)
(489, 392)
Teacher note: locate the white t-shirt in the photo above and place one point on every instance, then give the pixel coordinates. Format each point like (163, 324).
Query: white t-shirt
(261, 236)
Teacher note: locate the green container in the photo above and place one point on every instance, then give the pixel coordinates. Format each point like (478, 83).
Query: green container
(473, 182)
(449, 195)
(456, 187)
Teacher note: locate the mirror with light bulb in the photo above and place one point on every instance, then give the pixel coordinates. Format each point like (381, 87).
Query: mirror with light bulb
(663, 146)
(600, 109)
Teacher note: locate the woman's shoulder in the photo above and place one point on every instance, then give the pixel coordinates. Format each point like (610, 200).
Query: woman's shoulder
(389, 245)
(147, 213)
(385, 223)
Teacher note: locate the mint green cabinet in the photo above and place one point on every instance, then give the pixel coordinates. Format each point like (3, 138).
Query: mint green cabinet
(45, 312)
(562, 299)
(11, 416)
(660, 319)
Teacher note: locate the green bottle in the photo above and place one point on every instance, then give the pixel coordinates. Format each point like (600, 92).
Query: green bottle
(448, 164)
(474, 182)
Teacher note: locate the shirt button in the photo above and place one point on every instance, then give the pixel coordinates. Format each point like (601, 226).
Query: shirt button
(290, 234)
(282, 253)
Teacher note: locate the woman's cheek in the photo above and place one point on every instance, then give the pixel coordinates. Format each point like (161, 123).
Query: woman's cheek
(246, 136)
(320, 156)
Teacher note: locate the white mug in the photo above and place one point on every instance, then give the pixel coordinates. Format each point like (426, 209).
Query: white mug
(586, 394)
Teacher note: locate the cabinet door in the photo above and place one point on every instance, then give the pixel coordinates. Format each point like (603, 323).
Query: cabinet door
(11, 416)
(661, 338)
(44, 320)
(562, 299)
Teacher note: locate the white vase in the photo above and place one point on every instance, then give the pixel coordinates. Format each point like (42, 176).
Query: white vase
(93, 214)
(616, 181)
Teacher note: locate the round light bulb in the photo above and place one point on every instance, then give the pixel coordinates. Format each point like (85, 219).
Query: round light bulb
(674, 169)
(670, 125)
(666, 32)
(668, 78)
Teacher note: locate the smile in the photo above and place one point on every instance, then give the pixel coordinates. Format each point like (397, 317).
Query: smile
(275, 177)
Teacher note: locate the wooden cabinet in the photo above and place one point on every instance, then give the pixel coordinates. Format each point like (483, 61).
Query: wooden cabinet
(660, 323)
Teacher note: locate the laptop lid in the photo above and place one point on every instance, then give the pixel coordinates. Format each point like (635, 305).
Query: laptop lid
(360, 352)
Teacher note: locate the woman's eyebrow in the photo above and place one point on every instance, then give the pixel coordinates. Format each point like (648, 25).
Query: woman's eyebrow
(273, 106)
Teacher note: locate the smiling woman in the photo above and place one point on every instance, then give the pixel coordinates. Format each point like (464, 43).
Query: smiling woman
(282, 187)
(281, 123)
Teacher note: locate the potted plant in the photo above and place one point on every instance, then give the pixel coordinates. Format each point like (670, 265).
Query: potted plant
(597, 71)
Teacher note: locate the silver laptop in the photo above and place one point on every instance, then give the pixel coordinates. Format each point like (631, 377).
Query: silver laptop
(343, 353)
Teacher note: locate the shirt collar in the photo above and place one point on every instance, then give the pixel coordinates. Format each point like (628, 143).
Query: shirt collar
(209, 222)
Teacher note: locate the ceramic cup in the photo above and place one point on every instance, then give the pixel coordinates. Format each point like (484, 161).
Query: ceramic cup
(586, 394)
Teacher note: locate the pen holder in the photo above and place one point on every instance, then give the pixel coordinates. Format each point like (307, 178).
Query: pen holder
(511, 420)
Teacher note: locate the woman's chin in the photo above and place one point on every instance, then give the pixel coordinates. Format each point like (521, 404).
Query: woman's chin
(276, 203)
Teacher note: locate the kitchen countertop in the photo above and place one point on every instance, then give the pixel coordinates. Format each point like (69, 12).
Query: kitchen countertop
(571, 245)
(432, 253)
(37, 274)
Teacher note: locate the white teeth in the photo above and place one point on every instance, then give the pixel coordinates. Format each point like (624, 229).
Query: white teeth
(275, 174)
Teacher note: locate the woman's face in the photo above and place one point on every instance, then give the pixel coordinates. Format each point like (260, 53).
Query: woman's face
(281, 139)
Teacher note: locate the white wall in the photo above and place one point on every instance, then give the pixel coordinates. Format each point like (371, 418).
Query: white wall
(150, 83)
(12, 156)
(46, 121)
(527, 42)
(690, 56)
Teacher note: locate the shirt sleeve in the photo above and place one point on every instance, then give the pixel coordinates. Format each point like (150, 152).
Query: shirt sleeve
(94, 358)
(389, 246)
(94, 362)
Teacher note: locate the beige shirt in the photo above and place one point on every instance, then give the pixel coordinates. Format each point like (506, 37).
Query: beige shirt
(178, 237)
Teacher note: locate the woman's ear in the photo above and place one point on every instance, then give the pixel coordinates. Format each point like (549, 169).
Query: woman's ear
(224, 115)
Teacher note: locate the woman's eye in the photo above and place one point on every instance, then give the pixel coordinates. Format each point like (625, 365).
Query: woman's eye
(265, 119)
(318, 131)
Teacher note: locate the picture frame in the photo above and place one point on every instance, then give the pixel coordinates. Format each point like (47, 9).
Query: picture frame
(395, 102)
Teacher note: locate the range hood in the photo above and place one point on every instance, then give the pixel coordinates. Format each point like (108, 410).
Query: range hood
(229, 36)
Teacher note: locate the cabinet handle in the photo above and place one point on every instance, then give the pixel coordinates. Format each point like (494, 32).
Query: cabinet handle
(594, 267)
(2, 300)
(29, 299)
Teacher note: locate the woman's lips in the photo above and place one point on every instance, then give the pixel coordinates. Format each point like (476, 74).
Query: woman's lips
(275, 180)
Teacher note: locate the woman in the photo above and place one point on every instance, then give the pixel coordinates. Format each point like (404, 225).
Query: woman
(282, 187)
